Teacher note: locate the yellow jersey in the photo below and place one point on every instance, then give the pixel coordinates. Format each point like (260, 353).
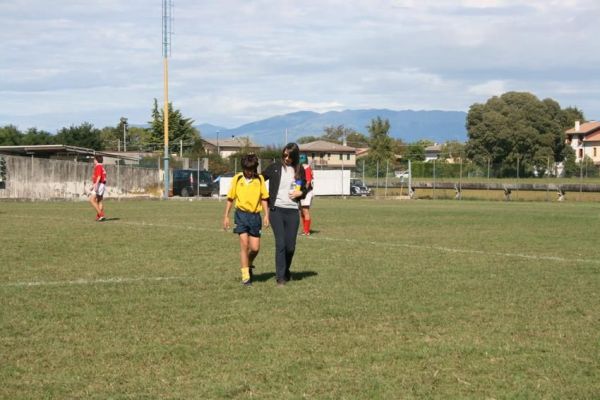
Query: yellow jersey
(248, 193)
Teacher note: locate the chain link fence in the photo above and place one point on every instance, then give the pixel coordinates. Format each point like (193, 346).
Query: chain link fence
(458, 178)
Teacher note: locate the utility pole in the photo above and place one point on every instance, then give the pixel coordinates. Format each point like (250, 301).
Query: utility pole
(167, 23)
(342, 154)
(124, 123)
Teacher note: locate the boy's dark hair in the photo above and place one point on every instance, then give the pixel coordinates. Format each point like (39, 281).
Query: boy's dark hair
(99, 158)
(250, 164)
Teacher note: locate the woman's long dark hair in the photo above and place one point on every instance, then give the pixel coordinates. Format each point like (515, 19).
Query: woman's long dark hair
(294, 152)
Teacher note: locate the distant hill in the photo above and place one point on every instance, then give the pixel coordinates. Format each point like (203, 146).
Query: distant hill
(209, 130)
(408, 125)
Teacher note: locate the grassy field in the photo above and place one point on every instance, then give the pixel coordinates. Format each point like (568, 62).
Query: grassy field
(390, 300)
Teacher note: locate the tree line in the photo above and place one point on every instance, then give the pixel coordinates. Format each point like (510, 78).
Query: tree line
(516, 133)
(516, 130)
(111, 138)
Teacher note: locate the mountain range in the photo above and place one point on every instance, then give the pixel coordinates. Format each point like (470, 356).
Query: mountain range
(408, 125)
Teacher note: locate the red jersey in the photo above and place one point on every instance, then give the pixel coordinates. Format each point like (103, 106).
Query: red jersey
(309, 175)
(99, 171)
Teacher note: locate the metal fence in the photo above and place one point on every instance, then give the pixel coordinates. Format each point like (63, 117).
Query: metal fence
(459, 179)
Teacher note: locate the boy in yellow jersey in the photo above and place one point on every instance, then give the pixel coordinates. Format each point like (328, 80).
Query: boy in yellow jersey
(250, 194)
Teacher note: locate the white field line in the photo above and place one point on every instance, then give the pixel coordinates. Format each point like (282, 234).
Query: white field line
(318, 237)
(362, 243)
(405, 245)
(96, 281)
(468, 251)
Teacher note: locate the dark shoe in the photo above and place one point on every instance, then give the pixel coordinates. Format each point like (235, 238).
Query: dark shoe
(281, 283)
(247, 283)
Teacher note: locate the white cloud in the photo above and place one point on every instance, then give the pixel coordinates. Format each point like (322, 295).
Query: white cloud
(489, 89)
(235, 61)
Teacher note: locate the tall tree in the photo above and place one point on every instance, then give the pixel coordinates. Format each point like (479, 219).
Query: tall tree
(415, 152)
(517, 128)
(84, 135)
(307, 139)
(381, 144)
(180, 128)
(400, 147)
(110, 138)
(336, 134)
(33, 136)
(10, 135)
(453, 149)
(357, 139)
(140, 139)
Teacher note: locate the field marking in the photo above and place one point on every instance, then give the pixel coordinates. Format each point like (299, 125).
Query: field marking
(468, 251)
(96, 281)
(384, 244)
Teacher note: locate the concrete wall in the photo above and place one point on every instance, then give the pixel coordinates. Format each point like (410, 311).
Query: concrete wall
(39, 178)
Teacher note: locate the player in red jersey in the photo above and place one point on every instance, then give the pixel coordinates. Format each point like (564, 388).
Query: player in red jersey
(98, 187)
(306, 201)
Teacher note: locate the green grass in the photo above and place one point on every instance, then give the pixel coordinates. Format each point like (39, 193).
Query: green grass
(392, 299)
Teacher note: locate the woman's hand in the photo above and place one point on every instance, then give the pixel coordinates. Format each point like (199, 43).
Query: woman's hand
(295, 194)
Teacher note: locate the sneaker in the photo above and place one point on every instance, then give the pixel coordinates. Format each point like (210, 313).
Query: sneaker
(101, 218)
(281, 283)
(306, 233)
(247, 283)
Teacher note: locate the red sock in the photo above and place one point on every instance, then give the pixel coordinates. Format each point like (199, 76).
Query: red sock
(306, 224)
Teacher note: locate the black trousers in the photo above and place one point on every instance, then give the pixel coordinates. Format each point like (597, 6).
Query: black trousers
(284, 222)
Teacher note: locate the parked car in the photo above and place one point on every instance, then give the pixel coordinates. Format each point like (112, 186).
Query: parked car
(186, 183)
(358, 188)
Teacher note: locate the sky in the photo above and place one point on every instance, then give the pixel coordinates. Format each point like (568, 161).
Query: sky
(66, 62)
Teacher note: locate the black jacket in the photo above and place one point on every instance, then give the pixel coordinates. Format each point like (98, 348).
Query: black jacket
(273, 174)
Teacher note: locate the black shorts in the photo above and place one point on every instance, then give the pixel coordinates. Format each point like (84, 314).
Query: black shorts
(247, 222)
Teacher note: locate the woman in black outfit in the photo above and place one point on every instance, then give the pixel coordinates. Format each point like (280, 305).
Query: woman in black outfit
(287, 185)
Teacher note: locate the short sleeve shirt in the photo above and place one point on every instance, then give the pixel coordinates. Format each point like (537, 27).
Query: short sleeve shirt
(248, 193)
(99, 171)
(309, 174)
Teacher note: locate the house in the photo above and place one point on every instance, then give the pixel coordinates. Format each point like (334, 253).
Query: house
(585, 140)
(433, 152)
(362, 152)
(227, 147)
(330, 155)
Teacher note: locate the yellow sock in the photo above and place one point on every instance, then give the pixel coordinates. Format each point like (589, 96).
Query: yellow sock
(245, 274)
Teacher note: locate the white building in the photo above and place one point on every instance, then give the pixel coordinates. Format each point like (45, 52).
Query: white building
(227, 147)
(585, 140)
(329, 155)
